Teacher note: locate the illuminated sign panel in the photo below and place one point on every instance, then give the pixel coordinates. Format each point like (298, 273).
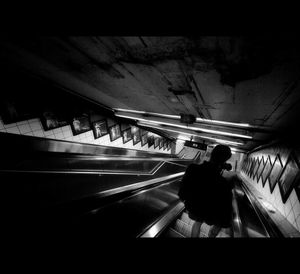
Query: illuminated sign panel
(195, 145)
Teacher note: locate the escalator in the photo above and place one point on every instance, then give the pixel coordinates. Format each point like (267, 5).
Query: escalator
(108, 195)
(111, 195)
(250, 219)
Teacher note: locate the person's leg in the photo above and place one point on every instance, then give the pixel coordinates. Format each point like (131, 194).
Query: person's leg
(196, 229)
(214, 231)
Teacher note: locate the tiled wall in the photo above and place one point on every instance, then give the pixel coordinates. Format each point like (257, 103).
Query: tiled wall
(33, 127)
(179, 146)
(271, 189)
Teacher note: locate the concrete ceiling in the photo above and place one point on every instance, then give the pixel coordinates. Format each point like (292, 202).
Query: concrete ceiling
(251, 80)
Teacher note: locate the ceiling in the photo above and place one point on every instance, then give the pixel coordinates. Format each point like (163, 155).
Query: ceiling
(253, 80)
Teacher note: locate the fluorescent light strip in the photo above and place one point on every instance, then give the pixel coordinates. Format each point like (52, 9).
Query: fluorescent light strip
(178, 117)
(189, 134)
(219, 141)
(222, 122)
(151, 113)
(186, 127)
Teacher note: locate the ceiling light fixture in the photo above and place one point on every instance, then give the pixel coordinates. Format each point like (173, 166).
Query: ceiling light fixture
(189, 134)
(222, 122)
(178, 117)
(187, 127)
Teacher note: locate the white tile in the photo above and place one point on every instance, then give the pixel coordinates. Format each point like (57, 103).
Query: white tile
(51, 136)
(3, 130)
(14, 130)
(296, 207)
(291, 217)
(57, 130)
(298, 222)
(10, 125)
(279, 206)
(22, 123)
(293, 197)
(48, 132)
(66, 128)
(39, 133)
(35, 125)
(67, 134)
(76, 138)
(33, 120)
(24, 128)
(287, 207)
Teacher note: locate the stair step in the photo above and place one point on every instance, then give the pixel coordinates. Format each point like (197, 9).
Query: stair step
(183, 228)
(171, 233)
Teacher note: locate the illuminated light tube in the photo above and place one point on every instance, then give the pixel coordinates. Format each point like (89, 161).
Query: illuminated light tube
(149, 113)
(217, 140)
(186, 127)
(178, 117)
(222, 122)
(189, 134)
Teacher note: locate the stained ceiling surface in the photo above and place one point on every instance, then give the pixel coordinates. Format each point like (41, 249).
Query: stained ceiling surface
(249, 80)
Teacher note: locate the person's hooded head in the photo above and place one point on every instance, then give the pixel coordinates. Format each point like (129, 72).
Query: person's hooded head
(220, 154)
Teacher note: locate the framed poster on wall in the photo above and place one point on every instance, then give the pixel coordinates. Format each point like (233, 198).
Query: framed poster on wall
(289, 177)
(169, 145)
(244, 165)
(251, 167)
(150, 141)
(165, 144)
(51, 119)
(266, 171)
(161, 143)
(260, 169)
(275, 172)
(144, 139)
(99, 128)
(156, 142)
(13, 110)
(257, 163)
(127, 136)
(136, 137)
(248, 165)
(114, 132)
(80, 124)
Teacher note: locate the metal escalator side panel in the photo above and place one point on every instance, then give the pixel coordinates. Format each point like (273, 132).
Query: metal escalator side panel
(154, 230)
(269, 226)
(237, 227)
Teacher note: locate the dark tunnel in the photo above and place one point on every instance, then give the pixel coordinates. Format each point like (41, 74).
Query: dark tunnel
(98, 130)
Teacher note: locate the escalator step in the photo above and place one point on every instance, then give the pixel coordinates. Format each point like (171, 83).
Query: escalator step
(183, 228)
(171, 233)
(185, 218)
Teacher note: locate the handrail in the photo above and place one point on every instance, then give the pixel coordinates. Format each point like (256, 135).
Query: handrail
(268, 224)
(115, 194)
(139, 185)
(31, 144)
(158, 226)
(238, 231)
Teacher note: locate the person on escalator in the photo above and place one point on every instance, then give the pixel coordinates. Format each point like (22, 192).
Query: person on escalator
(207, 194)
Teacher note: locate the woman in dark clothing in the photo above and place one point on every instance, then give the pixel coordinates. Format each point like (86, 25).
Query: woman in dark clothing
(207, 194)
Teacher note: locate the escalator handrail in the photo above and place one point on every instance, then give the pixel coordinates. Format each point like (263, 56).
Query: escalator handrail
(116, 194)
(237, 228)
(159, 225)
(139, 185)
(268, 224)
